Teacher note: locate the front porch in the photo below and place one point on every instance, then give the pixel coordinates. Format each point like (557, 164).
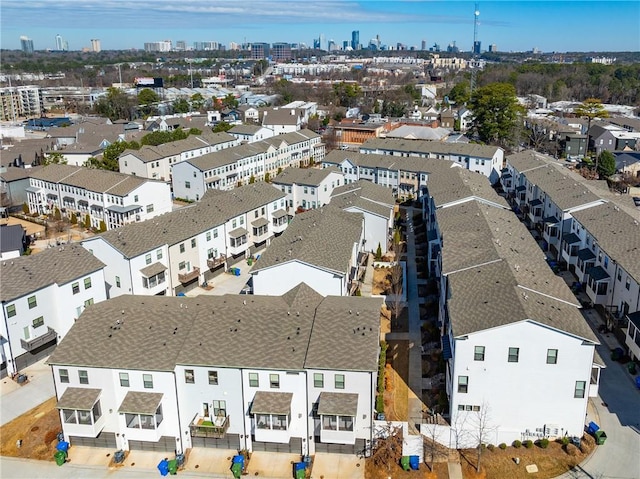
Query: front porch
(214, 426)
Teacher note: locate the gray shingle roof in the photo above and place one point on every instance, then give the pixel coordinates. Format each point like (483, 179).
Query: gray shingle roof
(245, 129)
(304, 176)
(60, 265)
(425, 146)
(11, 238)
(323, 237)
(153, 269)
(271, 402)
(455, 184)
(338, 404)
(79, 398)
(366, 190)
(214, 209)
(298, 330)
(138, 402)
(101, 181)
(488, 296)
(227, 156)
(617, 233)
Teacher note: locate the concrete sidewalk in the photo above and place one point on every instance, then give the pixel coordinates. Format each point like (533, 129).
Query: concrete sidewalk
(16, 399)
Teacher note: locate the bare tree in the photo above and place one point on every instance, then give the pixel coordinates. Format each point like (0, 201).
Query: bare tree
(397, 276)
(433, 430)
(387, 446)
(482, 428)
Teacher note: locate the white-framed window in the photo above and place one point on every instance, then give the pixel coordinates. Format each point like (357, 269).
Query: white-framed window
(339, 381)
(124, 380)
(552, 356)
(189, 376)
(213, 378)
(478, 353)
(274, 381)
(83, 376)
(463, 384)
(318, 380)
(579, 390)
(63, 374)
(254, 380)
(147, 381)
(514, 355)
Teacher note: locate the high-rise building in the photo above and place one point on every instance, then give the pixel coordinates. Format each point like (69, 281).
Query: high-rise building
(493, 48)
(345, 44)
(95, 45)
(355, 39)
(316, 44)
(22, 101)
(163, 46)
(476, 47)
(423, 45)
(234, 46)
(332, 46)
(281, 51)
(259, 51)
(59, 43)
(26, 44)
(181, 45)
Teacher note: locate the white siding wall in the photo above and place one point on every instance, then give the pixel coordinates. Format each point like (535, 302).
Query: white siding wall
(131, 165)
(277, 280)
(183, 173)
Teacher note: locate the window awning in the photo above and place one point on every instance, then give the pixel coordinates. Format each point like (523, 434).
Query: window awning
(79, 398)
(136, 402)
(260, 222)
(552, 220)
(267, 402)
(338, 404)
(536, 202)
(32, 189)
(598, 273)
(237, 233)
(521, 188)
(279, 213)
(124, 209)
(153, 269)
(213, 179)
(586, 254)
(571, 238)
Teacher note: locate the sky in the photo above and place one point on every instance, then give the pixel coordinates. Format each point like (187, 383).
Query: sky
(560, 26)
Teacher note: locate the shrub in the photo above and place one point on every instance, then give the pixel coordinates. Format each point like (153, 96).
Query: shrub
(571, 450)
(544, 443)
(25, 208)
(502, 446)
(74, 219)
(528, 443)
(491, 447)
(517, 444)
(564, 441)
(103, 226)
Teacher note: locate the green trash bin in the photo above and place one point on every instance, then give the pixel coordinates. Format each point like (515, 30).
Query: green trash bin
(405, 463)
(173, 467)
(60, 457)
(236, 470)
(601, 437)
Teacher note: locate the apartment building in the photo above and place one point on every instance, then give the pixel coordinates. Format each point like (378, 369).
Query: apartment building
(170, 374)
(108, 197)
(177, 251)
(308, 188)
(20, 102)
(42, 296)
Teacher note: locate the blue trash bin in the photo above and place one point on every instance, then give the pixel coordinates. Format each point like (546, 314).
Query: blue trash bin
(414, 462)
(63, 446)
(163, 467)
(592, 427)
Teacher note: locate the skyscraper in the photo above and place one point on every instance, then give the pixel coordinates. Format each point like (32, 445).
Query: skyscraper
(95, 45)
(355, 39)
(423, 46)
(59, 43)
(26, 44)
(476, 47)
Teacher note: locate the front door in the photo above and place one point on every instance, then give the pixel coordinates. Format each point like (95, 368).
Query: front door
(205, 409)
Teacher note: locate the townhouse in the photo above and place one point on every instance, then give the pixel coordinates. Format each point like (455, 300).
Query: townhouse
(283, 120)
(42, 295)
(308, 188)
(171, 374)
(177, 251)
(107, 198)
(250, 133)
(484, 159)
(406, 177)
(245, 163)
(156, 162)
(321, 247)
(376, 204)
(608, 137)
(512, 330)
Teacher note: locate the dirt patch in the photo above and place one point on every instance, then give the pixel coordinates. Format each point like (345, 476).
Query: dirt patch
(381, 281)
(440, 471)
(551, 462)
(37, 429)
(396, 395)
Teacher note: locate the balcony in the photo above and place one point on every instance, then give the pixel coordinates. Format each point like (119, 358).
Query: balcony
(205, 427)
(35, 343)
(213, 263)
(190, 276)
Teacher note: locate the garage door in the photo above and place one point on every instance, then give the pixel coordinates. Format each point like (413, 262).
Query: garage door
(165, 444)
(229, 441)
(340, 448)
(294, 446)
(104, 439)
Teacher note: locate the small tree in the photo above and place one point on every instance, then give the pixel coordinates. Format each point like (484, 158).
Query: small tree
(267, 177)
(87, 221)
(591, 109)
(103, 226)
(606, 164)
(56, 214)
(54, 158)
(74, 219)
(25, 208)
(379, 253)
(481, 428)
(252, 179)
(432, 432)
(387, 447)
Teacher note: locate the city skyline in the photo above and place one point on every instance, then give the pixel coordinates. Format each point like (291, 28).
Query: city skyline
(512, 26)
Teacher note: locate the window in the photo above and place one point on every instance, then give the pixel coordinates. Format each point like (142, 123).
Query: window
(83, 376)
(147, 258)
(97, 411)
(552, 356)
(463, 384)
(124, 380)
(88, 302)
(36, 323)
(339, 381)
(220, 408)
(514, 353)
(213, 378)
(263, 421)
(182, 265)
(182, 247)
(147, 381)
(578, 392)
(345, 423)
(117, 281)
(69, 416)
(208, 235)
(318, 380)
(32, 302)
(478, 353)
(11, 310)
(193, 242)
(149, 208)
(135, 198)
(64, 375)
(75, 287)
(254, 382)
(274, 381)
(87, 283)
(159, 254)
(628, 283)
(189, 377)
(187, 184)
(215, 233)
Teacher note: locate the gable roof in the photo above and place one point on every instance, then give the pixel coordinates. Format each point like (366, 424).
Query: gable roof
(60, 265)
(304, 176)
(323, 237)
(366, 196)
(11, 238)
(157, 333)
(421, 147)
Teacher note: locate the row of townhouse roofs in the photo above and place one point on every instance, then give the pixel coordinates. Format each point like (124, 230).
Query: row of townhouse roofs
(487, 263)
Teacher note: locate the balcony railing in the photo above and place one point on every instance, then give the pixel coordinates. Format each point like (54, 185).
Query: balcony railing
(215, 262)
(190, 276)
(35, 343)
(204, 427)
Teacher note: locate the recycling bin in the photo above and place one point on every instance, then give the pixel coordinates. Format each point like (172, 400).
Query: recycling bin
(173, 467)
(236, 470)
(63, 446)
(163, 467)
(592, 428)
(60, 457)
(601, 437)
(118, 456)
(414, 462)
(299, 470)
(405, 463)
